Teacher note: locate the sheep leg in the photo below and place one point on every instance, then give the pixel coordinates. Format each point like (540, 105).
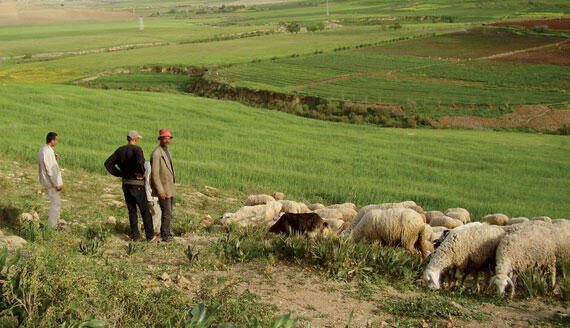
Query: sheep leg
(553, 274)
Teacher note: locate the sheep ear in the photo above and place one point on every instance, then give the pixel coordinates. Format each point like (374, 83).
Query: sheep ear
(325, 224)
(492, 281)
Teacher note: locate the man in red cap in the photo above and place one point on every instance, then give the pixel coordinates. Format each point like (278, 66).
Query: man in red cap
(162, 181)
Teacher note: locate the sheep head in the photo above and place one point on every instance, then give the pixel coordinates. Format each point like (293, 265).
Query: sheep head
(432, 279)
(501, 282)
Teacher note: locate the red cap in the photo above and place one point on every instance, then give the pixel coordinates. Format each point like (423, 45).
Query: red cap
(164, 133)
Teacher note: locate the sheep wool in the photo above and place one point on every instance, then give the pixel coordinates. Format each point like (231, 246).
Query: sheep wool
(467, 248)
(329, 213)
(543, 218)
(316, 206)
(561, 232)
(258, 214)
(496, 219)
(432, 214)
(290, 206)
(368, 208)
(394, 226)
(347, 213)
(445, 221)
(334, 224)
(459, 213)
(352, 206)
(253, 200)
(530, 246)
(517, 220)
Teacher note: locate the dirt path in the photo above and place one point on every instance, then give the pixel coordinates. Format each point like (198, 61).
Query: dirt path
(516, 52)
(87, 51)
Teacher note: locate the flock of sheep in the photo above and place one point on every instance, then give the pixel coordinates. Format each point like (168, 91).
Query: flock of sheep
(456, 246)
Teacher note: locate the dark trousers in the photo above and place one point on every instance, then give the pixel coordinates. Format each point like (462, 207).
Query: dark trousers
(166, 217)
(136, 196)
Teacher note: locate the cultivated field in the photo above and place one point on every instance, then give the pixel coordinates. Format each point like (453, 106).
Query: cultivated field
(267, 96)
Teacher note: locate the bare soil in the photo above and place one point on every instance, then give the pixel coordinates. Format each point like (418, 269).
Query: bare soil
(555, 24)
(535, 116)
(558, 54)
(12, 13)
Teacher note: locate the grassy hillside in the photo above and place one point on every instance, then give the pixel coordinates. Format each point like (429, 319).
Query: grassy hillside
(232, 146)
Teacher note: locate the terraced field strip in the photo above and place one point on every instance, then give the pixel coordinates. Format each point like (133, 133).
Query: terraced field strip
(516, 52)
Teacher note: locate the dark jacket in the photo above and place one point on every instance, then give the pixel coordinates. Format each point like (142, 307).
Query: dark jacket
(130, 162)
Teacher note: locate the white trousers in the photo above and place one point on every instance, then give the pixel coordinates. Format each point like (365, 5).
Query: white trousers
(54, 207)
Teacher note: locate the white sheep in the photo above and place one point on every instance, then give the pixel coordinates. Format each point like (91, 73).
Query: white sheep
(348, 214)
(496, 219)
(543, 218)
(394, 226)
(527, 246)
(278, 195)
(329, 213)
(445, 221)
(316, 206)
(437, 232)
(344, 205)
(258, 214)
(459, 213)
(363, 211)
(517, 220)
(334, 224)
(432, 214)
(261, 199)
(470, 248)
(290, 206)
(561, 233)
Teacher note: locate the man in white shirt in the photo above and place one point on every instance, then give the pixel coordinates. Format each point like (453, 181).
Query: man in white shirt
(152, 201)
(50, 177)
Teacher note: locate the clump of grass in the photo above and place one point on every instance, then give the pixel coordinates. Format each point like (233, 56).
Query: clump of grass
(427, 307)
(339, 258)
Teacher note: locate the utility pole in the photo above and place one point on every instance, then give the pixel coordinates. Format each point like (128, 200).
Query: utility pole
(141, 25)
(327, 7)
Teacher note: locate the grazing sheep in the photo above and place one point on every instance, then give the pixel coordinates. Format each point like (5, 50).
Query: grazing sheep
(437, 232)
(517, 220)
(394, 226)
(528, 247)
(334, 224)
(561, 233)
(316, 206)
(253, 214)
(352, 206)
(517, 227)
(432, 214)
(347, 213)
(448, 232)
(445, 221)
(368, 208)
(308, 224)
(278, 195)
(543, 218)
(329, 213)
(459, 213)
(290, 206)
(253, 200)
(496, 219)
(471, 248)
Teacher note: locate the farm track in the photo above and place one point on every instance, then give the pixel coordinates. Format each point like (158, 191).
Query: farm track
(517, 52)
(87, 51)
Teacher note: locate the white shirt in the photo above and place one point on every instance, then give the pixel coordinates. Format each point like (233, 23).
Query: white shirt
(50, 175)
(147, 188)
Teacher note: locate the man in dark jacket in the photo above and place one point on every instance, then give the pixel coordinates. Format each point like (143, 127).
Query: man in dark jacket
(130, 162)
